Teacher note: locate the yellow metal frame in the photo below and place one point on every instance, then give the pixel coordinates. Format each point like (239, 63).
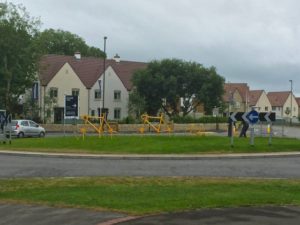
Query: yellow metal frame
(157, 127)
(102, 123)
(149, 120)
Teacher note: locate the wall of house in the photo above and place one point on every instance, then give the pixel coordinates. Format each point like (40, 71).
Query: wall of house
(263, 104)
(238, 104)
(287, 104)
(278, 111)
(112, 84)
(65, 80)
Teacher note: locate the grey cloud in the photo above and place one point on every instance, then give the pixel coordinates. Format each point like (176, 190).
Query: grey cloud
(253, 41)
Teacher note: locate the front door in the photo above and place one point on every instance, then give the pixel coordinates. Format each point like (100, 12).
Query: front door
(58, 115)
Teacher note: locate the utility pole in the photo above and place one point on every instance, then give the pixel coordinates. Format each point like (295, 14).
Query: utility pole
(104, 61)
(291, 102)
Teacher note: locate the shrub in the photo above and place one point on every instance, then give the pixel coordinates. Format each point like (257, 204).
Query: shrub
(205, 119)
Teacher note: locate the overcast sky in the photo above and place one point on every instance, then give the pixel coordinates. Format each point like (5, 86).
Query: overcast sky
(250, 41)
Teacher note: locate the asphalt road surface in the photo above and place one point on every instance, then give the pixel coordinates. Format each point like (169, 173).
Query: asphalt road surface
(12, 166)
(230, 216)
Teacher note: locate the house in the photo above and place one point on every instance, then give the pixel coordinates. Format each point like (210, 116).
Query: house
(236, 97)
(84, 77)
(282, 103)
(258, 100)
(298, 101)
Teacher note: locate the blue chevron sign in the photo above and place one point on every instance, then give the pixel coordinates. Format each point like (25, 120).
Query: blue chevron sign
(251, 117)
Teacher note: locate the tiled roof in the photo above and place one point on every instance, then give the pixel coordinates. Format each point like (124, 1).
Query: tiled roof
(242, 88)
(125, 70)
(278, 98)
(88, 69)
(254, 96)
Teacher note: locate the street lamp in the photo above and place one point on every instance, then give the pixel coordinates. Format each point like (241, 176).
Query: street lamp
(291, 101)
(104, 61)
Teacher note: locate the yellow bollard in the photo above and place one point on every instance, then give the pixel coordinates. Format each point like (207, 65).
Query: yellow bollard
(83, 131)
(142, 130)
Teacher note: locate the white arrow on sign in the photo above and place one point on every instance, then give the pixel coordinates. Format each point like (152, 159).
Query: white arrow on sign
(244, 116)
(251, 117)
(232, 117)
(267, 117)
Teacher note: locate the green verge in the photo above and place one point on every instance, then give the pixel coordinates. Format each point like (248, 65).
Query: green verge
(140, 196)
(152, 145)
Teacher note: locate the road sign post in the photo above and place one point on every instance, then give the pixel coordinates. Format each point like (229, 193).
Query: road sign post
(252, 118)
(271, 134)
(268, 117)
(232, 120)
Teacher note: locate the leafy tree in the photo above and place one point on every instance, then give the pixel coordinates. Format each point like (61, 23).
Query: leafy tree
(136, 104)
(164, 84)
(17, 55)
(61, 42)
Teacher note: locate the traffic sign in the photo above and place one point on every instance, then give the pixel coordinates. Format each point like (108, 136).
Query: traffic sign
(71, 106)
(236, 116)
(267, 116)
(253, 116)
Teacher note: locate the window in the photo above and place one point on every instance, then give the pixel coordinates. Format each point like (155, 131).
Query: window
(266, 109)
(117, 113)
(75, 92)
(33, 124)
(97, 94)
(24, 123)
(53, 92)
(273, 108)
(117, 95)
(93, 113)
(237, 105)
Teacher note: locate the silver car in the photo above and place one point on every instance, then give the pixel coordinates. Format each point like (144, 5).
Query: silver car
(26, 128)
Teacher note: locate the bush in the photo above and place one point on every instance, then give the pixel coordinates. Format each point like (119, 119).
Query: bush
(129, 120)
(205, 119)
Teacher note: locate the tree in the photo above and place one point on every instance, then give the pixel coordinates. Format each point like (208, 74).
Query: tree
(136, 104)
(18, 61)
(61, 42)
(167, 83)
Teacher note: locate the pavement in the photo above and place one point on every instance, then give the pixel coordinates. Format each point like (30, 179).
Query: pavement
(18, 214)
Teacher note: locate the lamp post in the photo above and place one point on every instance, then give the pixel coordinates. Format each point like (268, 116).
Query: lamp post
(291, 101)
(104, 61)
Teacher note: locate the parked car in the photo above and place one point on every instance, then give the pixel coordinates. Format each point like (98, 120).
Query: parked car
(26, 128)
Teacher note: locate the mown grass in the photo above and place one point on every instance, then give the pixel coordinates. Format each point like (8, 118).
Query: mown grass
(150, 195)
(152, 145)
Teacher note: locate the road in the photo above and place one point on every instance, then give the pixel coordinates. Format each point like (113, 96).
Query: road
(12, 166)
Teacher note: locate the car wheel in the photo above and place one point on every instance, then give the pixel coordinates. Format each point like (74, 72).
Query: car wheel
(21, 135)
(42, 134)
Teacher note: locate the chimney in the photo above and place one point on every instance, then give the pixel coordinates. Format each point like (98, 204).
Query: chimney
(77, 55)
(117, 58)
